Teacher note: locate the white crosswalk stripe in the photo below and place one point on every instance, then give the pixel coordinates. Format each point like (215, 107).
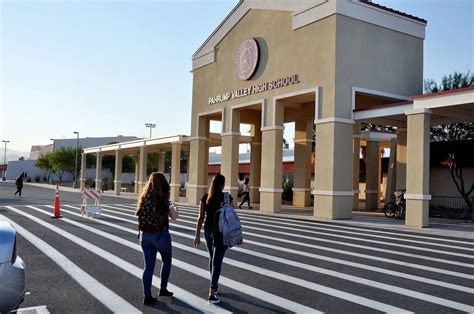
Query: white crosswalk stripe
(441, 267)
(443, 284)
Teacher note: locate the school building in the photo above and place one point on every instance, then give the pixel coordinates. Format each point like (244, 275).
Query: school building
(328, 66)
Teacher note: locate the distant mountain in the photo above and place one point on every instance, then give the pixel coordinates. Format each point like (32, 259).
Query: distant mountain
(12, 154)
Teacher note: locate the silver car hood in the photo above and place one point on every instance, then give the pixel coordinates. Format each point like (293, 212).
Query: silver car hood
(7, 241)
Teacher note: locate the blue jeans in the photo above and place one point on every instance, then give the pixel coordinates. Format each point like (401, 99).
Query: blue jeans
(151, 243)
(216, 251)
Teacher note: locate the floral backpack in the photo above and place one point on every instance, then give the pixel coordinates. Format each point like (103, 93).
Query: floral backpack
(150, 218)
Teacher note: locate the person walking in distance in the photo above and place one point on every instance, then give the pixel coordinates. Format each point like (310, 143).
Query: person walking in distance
(246, 194)
(153, 210)
(19, 184)
(209, 207)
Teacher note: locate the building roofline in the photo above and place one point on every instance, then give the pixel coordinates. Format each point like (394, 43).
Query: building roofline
(416, 18)
(443, 93)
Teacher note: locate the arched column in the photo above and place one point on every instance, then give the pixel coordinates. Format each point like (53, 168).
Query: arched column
(334, 168)
(98, 171)
(372, 174)
(198, 159)
(83, 169)
(418, 168)
(137, 173)
(230, 152)
(401, 156)
(392, 171)
(255, 162)
(175, 171)
(143, 167)
(161, 162)
(272, 145)
(118, 172)
(302, 164)
(356, 165)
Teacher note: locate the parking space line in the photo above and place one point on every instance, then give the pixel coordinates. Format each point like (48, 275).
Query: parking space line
(103, 294)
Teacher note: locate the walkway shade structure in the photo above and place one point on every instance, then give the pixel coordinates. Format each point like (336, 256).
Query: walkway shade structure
(328, 66)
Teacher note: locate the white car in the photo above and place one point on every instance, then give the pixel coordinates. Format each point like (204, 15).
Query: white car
(12, 270)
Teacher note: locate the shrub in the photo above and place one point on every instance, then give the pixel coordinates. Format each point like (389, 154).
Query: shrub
(37, 179)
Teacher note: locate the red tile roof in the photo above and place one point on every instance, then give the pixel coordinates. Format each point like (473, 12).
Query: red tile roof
(445, 92)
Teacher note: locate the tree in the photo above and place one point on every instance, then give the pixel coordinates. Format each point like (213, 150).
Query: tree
(62, 160)
(453, 131)
(378, 128)
(456, 175)
(128, 164)
(44, 163)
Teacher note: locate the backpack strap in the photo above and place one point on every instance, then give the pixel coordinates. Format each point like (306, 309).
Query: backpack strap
(226, 198)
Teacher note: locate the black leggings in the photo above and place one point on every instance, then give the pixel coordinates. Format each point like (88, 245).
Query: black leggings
(18, 190)
(246, 198)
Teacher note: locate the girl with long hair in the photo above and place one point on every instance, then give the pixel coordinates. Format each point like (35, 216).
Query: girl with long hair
(210, 203)
(153, 209)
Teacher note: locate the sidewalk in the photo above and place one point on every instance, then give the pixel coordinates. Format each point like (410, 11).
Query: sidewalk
(438, 226)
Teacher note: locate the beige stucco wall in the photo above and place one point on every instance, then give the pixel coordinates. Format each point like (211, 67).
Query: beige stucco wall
(308, 51)
(376, 58)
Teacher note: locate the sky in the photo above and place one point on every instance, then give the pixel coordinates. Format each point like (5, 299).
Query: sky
(106, 67)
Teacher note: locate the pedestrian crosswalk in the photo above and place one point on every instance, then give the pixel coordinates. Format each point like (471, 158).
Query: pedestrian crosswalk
(284, 265)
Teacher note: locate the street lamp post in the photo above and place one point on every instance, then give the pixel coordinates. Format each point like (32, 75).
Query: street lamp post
(75, 162)
(5, 160)
(151, 126)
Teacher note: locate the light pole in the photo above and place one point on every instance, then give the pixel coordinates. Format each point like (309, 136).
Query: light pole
(151, 126)
(75, 162)
(5, 160)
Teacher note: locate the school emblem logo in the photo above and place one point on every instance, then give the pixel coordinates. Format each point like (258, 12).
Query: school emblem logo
(246, 59)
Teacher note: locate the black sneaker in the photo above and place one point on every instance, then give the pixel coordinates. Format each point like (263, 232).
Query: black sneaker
(213, 299)
(165, 293)
(149, 300)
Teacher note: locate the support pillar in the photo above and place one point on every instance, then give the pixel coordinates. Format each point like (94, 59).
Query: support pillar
(98, 172)
(118, 172)
(198, 161)
(161, 162)
(401, 173)
(230, 154)
(137, 173)
(392, 171)
(83, 169)
(302, 164)
(372, 174)
(356, 165)
(334, 168)
(418, 168)
(271, 175)
(175, 184)
(142, 178)
(255, 162)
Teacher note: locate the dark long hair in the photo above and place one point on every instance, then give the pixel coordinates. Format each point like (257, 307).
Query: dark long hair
(159, 186)
(217, 185)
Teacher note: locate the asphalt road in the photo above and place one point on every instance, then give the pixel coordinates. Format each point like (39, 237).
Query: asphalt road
(78, 264)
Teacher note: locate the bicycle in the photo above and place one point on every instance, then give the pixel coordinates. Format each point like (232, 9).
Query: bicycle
(397, 208)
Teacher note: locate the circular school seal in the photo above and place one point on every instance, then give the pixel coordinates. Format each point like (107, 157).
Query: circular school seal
(246, 59)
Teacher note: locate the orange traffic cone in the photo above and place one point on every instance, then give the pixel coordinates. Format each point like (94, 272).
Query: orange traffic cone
(57, 204)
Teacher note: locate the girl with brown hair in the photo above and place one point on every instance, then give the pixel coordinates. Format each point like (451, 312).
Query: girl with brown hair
(153, 209)
(210, 204)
